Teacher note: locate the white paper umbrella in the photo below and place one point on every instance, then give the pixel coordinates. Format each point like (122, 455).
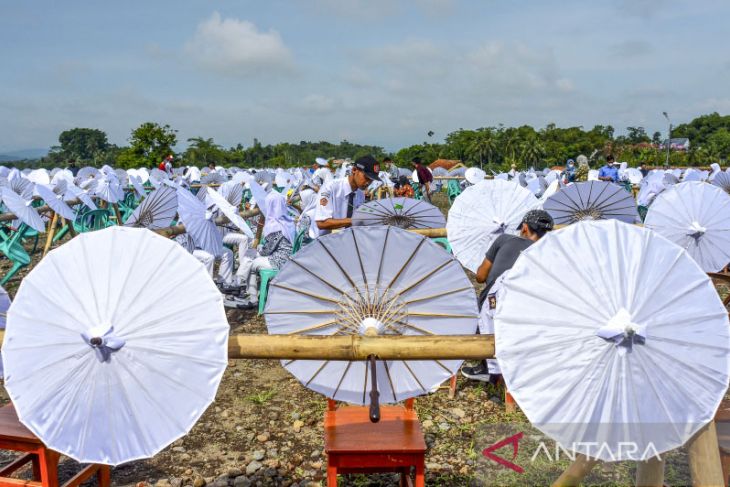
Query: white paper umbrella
(399, 212)
(232, 192)
(75, 193)
(156, 211)
(474, 175)
(229, 211)
(108, 191)
(55, 202)
(722, 180)
(4, 305)
(695, 216)
(23, 210)
(136, 182)
(117, 359)
(198, 221)
(638, 355)
(483, 212)
(20, 186)
(380, 278)
(591, 200)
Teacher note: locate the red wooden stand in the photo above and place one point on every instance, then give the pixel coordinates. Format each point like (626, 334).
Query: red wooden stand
(355, 445)
(16, 437)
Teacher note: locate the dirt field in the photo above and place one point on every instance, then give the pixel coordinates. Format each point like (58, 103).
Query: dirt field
(265, 428)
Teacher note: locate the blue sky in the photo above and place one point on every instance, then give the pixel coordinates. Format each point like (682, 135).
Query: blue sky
(382, 72)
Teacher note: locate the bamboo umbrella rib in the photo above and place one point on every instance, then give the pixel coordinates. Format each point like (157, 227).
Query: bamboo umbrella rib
(405, 264)
(347, 369)
(432, 296)
(414, 375)
(303, 311)
(408, 325)
(319, 326)
(440, 315)
(382, 256)
(390, 380)
(305, 293)
(339, 266)
(443, 366)
(315, 275)
(324, 364)
(422, 279)
(362, 269)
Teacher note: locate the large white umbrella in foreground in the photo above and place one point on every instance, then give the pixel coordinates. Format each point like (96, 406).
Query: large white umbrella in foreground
(621, 357)
(375, 279)
(695, 216)
(482, 213)
(116, 360)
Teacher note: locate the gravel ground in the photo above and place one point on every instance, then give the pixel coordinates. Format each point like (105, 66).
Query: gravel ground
(265, 428)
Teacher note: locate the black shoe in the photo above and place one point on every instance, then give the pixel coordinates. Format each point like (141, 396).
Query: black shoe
(238, 303)
(480, 373)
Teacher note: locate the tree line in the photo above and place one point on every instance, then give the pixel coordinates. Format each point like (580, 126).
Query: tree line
(494, 148)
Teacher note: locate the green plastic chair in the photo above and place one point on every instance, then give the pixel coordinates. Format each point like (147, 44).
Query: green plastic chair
(444, 242)
(12, 248)
(642, 212)
(93, 220)
(453, 189)
(265, 275)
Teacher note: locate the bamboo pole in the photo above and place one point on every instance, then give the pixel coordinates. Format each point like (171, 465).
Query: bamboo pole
(357, 347)
(576, 471)
(704, 457)
(429, 232)
(7, 217)
(118, 214)
(650, 473)
(51, 232)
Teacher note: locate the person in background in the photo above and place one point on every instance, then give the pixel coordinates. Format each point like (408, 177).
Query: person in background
(425, 178)
(608, 172)
(403, 188)
(72, 167)
(512, 173)
(338, 198)
(211, 167)
(500, 258)
(279, 233)
(570, 171)
(644, 170)
(391, 168)
(166, 164)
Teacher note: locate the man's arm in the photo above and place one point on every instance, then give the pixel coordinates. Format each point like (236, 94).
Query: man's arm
(483, 271)
(334, 223)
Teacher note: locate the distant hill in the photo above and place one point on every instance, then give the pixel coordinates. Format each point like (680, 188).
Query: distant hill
(19, 155)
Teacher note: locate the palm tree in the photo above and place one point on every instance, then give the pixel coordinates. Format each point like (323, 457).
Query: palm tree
(532, 151)
(483, 146)
(202, 151)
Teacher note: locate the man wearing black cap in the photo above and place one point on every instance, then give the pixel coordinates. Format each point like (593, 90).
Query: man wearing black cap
(500, 257)
(339, 198)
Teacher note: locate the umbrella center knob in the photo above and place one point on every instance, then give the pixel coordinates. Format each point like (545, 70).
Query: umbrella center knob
(696, 230)
(371, 326)
(96, 341)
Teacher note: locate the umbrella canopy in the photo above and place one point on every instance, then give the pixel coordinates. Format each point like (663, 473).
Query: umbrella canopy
(108, 190)
(23, 210)
(399, 212)
(115, 360)
(695, 216)
(232, 192)
(229, 211)
(198, 221)
(136, 182)
(474, 175)
(156, 211)
(4, 305)
(55, 202)
(371, 279)
(591, 200)
(722, 180)
(483, 212)
(74, 192)
(641, 348)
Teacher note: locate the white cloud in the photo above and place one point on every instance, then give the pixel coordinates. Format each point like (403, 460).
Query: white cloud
(236, 47)
(319, 104)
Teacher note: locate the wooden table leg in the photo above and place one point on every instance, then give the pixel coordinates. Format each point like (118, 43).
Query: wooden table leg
(420, 474)
(104, 476)
(576, 471)
(331, 476)
(704, 457)
(650, 473)
(49, 467)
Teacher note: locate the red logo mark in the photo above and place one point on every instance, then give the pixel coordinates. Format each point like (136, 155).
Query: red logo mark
(376, 168)
(514, 441)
